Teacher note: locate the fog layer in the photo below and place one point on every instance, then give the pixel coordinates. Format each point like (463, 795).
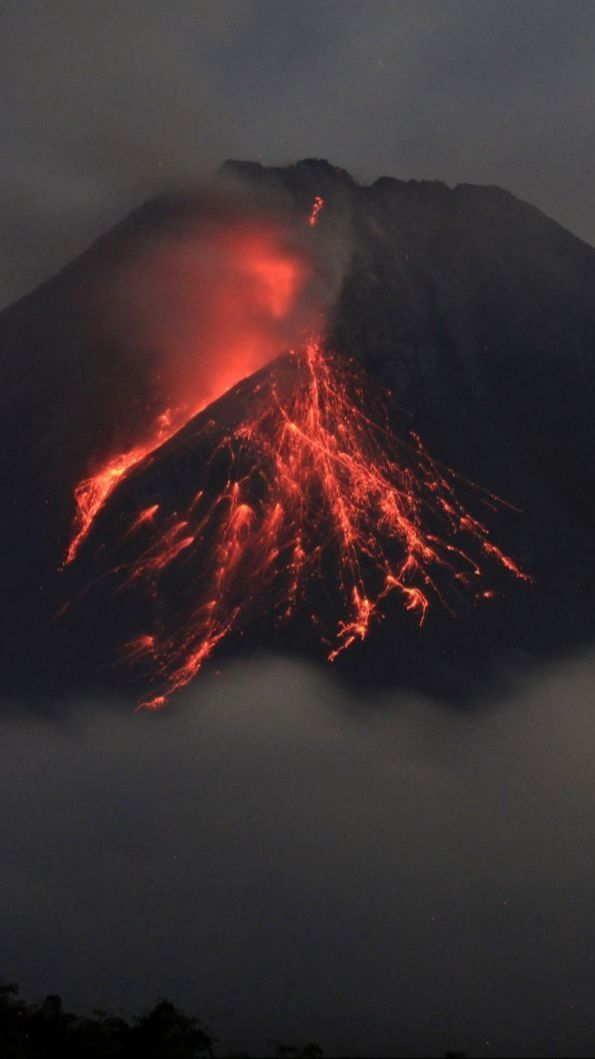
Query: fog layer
(288, 861)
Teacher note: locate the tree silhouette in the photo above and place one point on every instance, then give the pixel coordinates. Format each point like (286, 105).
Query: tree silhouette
(46, 1031)
(166, 1031)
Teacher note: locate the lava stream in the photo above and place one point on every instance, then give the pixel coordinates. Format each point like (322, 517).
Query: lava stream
(92, 492)
(317, 206)
(319, 509)
(240, 291)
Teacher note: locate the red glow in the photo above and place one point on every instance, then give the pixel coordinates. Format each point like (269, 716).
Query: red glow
(318, 493)
(321, 502)
(317, 206)
(236, 297)
(91, 493)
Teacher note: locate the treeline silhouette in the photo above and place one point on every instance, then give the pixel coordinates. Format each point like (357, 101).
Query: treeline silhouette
(45, 1030)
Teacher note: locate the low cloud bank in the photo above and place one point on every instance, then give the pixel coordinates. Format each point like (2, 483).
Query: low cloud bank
(289, 861)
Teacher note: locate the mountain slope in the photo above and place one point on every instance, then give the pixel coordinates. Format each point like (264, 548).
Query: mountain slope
(475, 310)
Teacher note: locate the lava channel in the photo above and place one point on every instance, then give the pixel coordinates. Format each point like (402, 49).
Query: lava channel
(289, 496)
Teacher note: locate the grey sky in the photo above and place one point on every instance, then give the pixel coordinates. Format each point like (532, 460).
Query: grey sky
(102, 105)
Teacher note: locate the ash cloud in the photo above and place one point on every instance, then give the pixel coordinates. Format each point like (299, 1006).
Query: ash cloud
(226, 284)
(189, 295)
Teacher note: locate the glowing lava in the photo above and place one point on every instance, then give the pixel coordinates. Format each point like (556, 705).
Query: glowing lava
(92, 493)
(316, 507)
(317, 206)
(308, 503)
(249, 283)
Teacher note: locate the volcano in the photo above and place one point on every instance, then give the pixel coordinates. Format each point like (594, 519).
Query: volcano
(326, 502)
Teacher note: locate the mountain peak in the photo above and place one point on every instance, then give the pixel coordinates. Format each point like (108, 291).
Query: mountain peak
(473, 308)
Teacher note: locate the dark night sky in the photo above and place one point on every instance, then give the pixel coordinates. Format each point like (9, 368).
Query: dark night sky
(282, 858)
(105, 104)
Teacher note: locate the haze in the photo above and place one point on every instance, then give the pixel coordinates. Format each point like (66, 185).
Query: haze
(104, 107)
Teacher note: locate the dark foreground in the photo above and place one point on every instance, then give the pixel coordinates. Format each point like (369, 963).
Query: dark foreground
(45, 1030)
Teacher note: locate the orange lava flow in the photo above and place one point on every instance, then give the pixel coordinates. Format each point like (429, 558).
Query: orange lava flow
(320, 500)
(249, 285)
(92, 493)
(317, 206)
(308, 504)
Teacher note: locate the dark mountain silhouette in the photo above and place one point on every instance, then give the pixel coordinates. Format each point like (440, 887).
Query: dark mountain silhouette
(476, 311)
